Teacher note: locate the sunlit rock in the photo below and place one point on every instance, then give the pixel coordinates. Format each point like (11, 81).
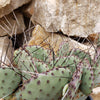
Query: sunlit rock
(12, 24)
(73, 17)
(14, 4)
(96, 93)
(51, 40)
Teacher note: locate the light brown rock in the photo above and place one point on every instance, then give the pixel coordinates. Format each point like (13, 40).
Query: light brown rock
(96, 93)
(51, 40)
(73, 17)
(29, 11)
(14, 4)
(6, 50)
(12, 24)
(3, 3)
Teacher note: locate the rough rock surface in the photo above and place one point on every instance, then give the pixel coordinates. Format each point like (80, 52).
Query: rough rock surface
(29, 11)
(72, 17)
(12, 24)
(47, 40)
(96, 93)
(14, 4)
(3, 3)
(6, 50)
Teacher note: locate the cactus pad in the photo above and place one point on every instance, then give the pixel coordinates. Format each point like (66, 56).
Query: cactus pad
(63, 49)
(87, 81)
(74, 83)
(9, 81)
(47, 86)
(68, 61)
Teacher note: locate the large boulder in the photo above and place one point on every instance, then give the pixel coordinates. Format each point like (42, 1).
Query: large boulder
(73, 17)
(8, 7)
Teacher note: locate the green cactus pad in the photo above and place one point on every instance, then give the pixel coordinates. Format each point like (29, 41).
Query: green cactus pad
(79, 96)
(96, 70)
(74, 83)
(41, 66)
(87, 81)
(17, 95)
(63, 49)
(38, 52)
(47, 86)
(81, 54)
(68, 61)
(26, 63)
(9, 81)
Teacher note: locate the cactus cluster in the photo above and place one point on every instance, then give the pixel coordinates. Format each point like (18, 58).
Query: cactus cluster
(41, 75)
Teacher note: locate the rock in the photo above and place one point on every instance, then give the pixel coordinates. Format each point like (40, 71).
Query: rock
(6, 50)
(12, 24)
(93, 37)
(96, 93)
(45, 39)
(3, 3)
(51, 40)
(73, 17)
(29, 11)
(13, 5)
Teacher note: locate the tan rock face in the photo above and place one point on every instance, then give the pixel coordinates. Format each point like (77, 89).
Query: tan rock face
(74, 18)
(6, 50)
(29, 11)
(96, 93)
(51, 40)
(3, 3)
(12, 24)
(11, 6)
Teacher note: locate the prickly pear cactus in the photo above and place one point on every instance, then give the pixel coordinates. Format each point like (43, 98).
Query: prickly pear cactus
(81, 54)
(37, 52)
(79, 96)
(44, 75)
(9, 81)
(96, 68)
(74, 83)
(63, 49)
(87, 81)
(70, 62)
(26, 63)
(47, 85)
